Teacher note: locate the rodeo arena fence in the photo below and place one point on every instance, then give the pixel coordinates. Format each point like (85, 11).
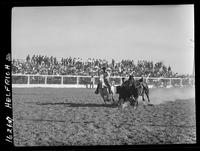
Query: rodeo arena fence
(75, 81)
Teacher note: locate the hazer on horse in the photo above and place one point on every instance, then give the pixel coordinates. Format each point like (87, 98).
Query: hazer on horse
(104, 87)
(104, 79)
(142, 87)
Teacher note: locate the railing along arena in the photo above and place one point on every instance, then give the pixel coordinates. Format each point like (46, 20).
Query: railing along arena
(76, 81)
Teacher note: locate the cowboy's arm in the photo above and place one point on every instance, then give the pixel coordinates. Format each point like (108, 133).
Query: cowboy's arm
(106, 75)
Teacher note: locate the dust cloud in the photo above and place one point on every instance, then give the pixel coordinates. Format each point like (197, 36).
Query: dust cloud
(161, 95)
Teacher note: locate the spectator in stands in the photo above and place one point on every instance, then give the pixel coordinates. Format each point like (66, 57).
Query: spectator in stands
(38, 64)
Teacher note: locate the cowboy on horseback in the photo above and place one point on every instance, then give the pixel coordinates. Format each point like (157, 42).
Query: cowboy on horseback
(142, 82)
(104, 78)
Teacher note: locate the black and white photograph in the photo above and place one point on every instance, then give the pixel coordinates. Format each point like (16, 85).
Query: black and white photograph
(103, 75)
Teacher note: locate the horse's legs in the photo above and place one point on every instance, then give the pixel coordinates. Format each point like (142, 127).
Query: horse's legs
(112, 98)
(143, 96)
(121, 101)
(104, 100)
(123, 105)
(136, 103)
(147, 94)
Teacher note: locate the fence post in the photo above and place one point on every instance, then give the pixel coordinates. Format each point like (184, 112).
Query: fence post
(62, 80)
(77, 82)
(28, 79)
(181, 82)
(45, 80)
(170, 82)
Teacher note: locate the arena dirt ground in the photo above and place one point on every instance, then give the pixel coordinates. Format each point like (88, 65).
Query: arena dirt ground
(56, 117)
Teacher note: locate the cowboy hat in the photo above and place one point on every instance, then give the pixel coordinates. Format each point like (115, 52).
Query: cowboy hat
(108, 69)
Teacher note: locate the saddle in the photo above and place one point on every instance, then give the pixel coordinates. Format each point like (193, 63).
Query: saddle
(104, 86)
(140, 80)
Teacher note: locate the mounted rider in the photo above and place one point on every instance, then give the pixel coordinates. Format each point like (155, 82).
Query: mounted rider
(104, 78)
(142, 82)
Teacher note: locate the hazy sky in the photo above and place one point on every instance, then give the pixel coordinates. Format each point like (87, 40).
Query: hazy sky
(157, 33)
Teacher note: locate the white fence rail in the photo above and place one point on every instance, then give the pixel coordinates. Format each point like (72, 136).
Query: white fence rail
(74, 81)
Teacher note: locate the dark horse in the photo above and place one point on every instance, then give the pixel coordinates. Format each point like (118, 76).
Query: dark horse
(131, 89)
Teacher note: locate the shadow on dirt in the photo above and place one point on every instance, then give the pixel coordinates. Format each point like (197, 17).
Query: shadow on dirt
(40, 120)
(76, 104)
(90, 105)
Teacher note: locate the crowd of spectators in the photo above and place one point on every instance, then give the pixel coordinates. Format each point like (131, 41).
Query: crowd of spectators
(44, 65)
